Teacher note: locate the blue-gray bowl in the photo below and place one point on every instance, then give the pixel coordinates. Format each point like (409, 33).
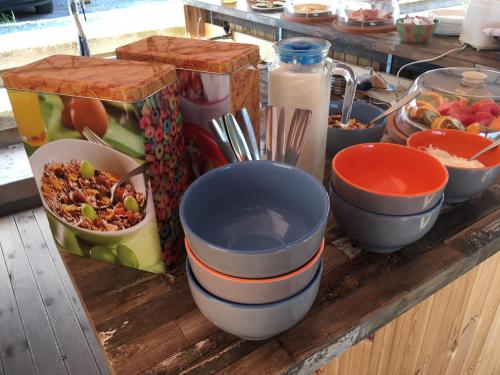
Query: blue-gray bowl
(255, 219)
(381, 233)
(339, 139)
(254, 322)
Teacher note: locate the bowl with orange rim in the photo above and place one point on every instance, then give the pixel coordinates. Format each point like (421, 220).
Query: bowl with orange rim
(464, 181)
(388, 179)
(253, 291)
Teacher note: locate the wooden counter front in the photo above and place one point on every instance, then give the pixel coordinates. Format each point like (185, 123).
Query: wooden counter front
(149, 323)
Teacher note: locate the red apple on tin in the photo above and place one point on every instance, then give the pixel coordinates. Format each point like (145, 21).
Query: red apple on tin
(89, 113)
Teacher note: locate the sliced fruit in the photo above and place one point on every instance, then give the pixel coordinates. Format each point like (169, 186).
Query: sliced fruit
(433, 97)
(445, 108)
(429, 116)
(484, 118)
(424, 103)
(495, 124)
(445, 122)
(474, 128)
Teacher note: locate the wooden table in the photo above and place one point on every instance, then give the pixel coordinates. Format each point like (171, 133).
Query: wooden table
(44, 329)
(149, 323)
(197, 12)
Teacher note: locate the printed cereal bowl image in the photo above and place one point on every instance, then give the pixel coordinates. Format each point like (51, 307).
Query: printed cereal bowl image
(74, 178)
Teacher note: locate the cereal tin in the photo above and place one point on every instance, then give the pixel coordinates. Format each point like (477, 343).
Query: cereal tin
(215, 78)
(85, 122)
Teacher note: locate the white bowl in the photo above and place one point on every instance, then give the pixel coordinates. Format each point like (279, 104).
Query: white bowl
(103, 158)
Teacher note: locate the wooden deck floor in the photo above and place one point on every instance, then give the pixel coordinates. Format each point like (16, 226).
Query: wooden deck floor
(44, 329)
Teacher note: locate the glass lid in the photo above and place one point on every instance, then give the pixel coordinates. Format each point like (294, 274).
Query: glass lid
(469, 82)
(368, 13)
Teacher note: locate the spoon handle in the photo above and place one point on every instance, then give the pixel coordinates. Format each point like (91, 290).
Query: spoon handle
(486, 149)
(400, 103)
(134, 172)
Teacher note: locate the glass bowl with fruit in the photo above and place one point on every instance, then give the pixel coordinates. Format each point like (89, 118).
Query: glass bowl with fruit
(368, 13)
(454, 98)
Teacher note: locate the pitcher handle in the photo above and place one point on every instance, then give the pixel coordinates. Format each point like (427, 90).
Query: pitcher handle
(345, 71)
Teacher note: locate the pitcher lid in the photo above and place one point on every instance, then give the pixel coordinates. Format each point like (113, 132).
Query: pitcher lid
(302, 50)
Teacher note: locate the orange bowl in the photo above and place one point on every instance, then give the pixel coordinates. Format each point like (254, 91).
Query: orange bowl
(388, 179)
(253, 291)
(463, 182)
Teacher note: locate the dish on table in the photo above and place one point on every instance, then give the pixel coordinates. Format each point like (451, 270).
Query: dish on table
(454, 98)
(464, 181)
(388, 179)
(253, 291)
(267, 6)
(361, 112)
(253, 225)
(254, 322)
(368, 13)
(382, 233)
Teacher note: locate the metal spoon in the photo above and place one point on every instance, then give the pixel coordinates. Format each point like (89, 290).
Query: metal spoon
(222, 140)
(400, 103)
(248, 132)
(486, 149)
(111, 193)
(236, 138)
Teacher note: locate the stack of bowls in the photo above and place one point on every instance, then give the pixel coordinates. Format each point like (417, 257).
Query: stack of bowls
(386, 196)
(463, 182)
(254, 239)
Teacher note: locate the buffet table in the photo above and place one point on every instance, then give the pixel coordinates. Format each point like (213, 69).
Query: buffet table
(375, 46)
(446, 284)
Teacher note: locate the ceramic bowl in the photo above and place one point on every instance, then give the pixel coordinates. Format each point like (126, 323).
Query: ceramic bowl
(254, 322)
(388, 179)
(416, 34)
(253, 291)
(339, 139)
(255, 219)
(463, 182)
(381, 233)
(101, 157)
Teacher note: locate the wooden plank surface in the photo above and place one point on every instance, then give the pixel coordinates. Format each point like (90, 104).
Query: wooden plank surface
(150, 324)
(39, 328)
(387, 43)
(454, 331)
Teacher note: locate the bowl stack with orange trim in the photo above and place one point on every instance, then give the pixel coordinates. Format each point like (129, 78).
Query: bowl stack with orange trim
(386, 196)
(254, 240)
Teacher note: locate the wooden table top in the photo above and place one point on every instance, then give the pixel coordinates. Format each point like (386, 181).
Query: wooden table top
(148, 323)
(388, 43)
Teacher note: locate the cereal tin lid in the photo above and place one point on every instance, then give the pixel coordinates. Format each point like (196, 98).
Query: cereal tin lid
(192, 54)
(92, 77)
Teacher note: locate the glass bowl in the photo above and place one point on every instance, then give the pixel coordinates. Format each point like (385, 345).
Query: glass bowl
(368, 13)
(465, 99)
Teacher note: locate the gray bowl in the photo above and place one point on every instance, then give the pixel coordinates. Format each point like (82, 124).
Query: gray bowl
(254, 322)
(381, 233)
(253, 291)
(255, 219)
(464, 183)
(339, 139)
(359, 171)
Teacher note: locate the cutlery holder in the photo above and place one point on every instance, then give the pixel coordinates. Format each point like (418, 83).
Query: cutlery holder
(135, 108)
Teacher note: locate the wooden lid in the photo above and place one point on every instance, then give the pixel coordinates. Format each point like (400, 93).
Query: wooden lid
(92, 77)
(191, 54)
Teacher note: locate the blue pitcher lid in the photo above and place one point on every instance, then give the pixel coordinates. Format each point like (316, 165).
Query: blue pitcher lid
(302, 50)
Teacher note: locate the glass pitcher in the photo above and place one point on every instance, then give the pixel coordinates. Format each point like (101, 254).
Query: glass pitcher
(301, 78)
